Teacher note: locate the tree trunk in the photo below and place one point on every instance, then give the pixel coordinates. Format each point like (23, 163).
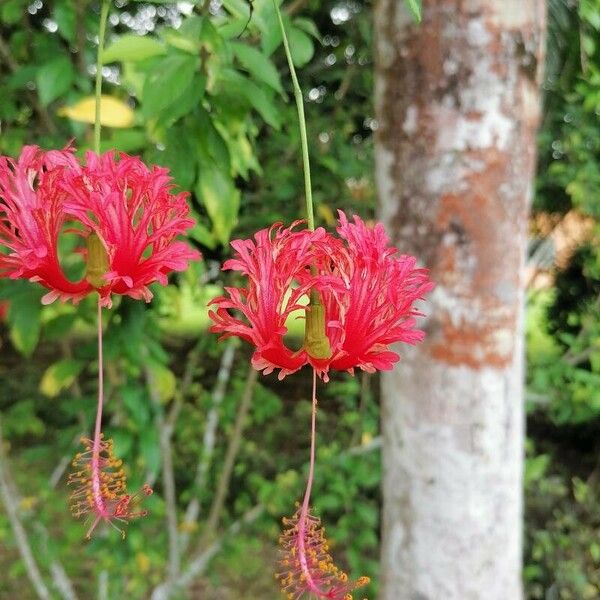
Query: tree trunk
(457, 103)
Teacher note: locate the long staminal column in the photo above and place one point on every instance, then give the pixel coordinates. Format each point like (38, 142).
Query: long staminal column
(101, 486)
(307, 566)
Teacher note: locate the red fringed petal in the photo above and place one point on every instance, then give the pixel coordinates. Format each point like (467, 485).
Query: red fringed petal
(133, 211)
(31, 219)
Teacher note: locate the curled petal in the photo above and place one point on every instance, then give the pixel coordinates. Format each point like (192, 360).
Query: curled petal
(275, 264)
(376, 308)
(31, 219)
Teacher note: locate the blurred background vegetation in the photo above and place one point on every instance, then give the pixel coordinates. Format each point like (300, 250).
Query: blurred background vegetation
(199, 89)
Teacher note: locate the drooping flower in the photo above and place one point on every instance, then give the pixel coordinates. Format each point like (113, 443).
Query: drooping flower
(362, 294)
(128, 217)
(357, 294)
(127, 214)
(101, 487)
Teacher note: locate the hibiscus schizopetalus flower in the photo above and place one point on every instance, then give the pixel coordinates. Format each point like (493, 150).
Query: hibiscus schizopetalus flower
(126, 213)
(128, 218)
(357, 294)
(362, 296)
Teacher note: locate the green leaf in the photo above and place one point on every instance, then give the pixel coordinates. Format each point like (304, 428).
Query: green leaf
(202, 235)
(60, 326)
(233, 83)
(167, 82)
(415, 7)
(179, 157)
(211, 146)
(66, 19)
(308, 26)
(125, 140)
(24, 319)
(186, 103)
(238, 8)
(136, 402)
(301, 46)
(216, 191)
(271, 35)
(54, 79)
(133, 48)
(11, 11)
(60, 376)
(257, 64)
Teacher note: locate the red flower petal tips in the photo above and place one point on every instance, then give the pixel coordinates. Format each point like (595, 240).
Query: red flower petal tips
(126, 212)
(365, 289)
(31, 218)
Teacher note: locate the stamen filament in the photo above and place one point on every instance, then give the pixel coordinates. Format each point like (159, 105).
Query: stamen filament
(306, 562)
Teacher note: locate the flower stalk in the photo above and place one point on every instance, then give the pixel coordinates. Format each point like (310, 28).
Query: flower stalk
(99, 479)
(310, 213)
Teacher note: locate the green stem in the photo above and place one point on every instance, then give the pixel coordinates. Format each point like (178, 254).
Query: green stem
(310, 215)
(101, 33)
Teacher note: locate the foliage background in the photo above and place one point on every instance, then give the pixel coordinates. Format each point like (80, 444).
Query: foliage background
(198, 88)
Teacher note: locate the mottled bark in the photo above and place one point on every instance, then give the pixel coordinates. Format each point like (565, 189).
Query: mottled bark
(458, 105)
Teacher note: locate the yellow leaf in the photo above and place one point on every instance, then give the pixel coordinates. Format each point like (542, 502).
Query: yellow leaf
(113, 112)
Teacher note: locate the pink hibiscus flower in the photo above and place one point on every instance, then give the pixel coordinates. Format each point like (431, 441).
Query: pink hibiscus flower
(126, 212)
(362, 297)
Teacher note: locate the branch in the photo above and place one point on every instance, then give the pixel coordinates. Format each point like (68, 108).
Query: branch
(200, 560)
(210, 435)
(103, 585)
(168, 479)
(13, 66)
(11, 504)
(59, 576)
(230, 456)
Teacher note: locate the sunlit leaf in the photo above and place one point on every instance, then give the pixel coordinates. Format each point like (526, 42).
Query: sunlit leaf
(60, 376)
(415, 7)
(133, 48)
(113, 112)
(164, 381)
(217, 192)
